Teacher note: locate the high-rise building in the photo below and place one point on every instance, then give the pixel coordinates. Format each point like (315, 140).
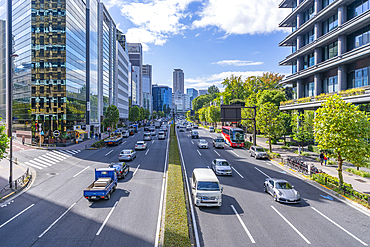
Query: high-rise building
(123, 70)
(178, 80)
(180, 102)
(136, 59)
(162, 98)
(330, 49)
(193, 93)
(147, 87)
(203, 91)
(135, 75)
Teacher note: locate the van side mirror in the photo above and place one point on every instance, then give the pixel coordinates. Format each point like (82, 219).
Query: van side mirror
(222, 189)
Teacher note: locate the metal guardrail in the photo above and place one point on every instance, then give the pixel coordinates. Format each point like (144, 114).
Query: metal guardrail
(18, 183)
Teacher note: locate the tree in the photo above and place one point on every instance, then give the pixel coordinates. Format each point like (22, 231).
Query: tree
(201, 101)
(302, 126)
(202, 114)
(286, 127)
(4, 140)
(342, 128)
(268, 121)
(146, 114)
(141, 114)
(213, 114)
(213, 90)
(234, 89)
(273, 96)
(154, 115)
(134, 114)
(111, 116)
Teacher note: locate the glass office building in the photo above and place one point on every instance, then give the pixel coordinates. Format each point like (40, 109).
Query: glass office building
(162, 98)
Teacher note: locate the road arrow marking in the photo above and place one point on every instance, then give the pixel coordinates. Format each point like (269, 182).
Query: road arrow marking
(327, 197)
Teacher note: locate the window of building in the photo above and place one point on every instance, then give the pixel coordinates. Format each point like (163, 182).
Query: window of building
(357, 8)
(326, 3)
(359, 77)
(309, 89)
(359, 38)
(294, 67)
(309, 37)
(330, 51)
(330, 84)
(308, 60)
(294, 46)
(309, 13)
(330, 24)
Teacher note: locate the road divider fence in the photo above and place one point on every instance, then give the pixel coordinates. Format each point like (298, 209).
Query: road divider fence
(15, 185)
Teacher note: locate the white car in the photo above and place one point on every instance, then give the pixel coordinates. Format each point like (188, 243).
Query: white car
(161, 135)
(202, 143)
(125, 133)
(221, 167)
(140, 145)
(281, 190)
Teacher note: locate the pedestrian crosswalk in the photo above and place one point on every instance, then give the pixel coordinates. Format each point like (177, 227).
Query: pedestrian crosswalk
(51, 158)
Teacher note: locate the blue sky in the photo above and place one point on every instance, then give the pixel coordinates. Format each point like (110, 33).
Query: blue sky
(208, 40)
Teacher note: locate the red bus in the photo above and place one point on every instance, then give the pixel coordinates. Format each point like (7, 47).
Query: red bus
(234, 137)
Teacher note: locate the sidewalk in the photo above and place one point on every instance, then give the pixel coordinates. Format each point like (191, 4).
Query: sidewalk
(18, 171)
(359, 184)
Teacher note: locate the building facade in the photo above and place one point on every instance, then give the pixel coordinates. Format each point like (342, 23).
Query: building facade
(123, 70)
(193, 93)
(203, 91)
(180, 102)
(162, 98)
(330, 43)
(135, 52)
(147, 87)
(178, 80)
(135, 77)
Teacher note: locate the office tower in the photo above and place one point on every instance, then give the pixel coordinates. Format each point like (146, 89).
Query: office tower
(203, 91)
(330, 49)
(178, 80)
(162, 98)
(147, 87)
(193, 93)
(136, 59)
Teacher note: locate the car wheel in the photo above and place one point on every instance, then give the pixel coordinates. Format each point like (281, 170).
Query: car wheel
(264, 188)
(275, 197)
(108, 196)
(255, 156)
(250, 154)
(114, 187)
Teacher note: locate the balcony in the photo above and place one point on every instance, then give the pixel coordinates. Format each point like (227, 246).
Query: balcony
(353, 95)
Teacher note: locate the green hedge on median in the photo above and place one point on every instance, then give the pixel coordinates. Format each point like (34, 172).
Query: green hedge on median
(176, 230)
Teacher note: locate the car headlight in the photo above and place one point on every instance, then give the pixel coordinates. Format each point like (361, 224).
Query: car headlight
(280, 194)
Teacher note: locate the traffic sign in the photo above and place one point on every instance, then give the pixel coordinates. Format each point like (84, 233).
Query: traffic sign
(56, 133)
(42, 133)
(108, 128)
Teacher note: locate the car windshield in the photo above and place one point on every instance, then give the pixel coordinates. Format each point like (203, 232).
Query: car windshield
(260, 150)
(238, 136)
(126, 152)
(140, 143)
(220, 140)
(211, 128)
(202, 141)
(160, 133)
(283, 185)
(146, 134)
(195, 132)
(223, 163)
(209, 186)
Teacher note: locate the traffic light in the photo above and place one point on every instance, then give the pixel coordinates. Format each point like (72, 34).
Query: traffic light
(36, 125)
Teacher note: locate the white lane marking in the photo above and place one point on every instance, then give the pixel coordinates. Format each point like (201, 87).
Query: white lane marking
(235, 153)
(199, 153)
(208, 167)
(36, 163)
(243, 225)
(80, 172)
(237, 172)
(147, 151)
(45, 159)
(192, 142)
(24, 210)
(152, 141)
(106, 219)
(291, 225)
(262, 172)
(160, 210)
(50, 158)
(65, 152)
(42, 234)
(217, 153)
(41, 162)
(49, 155)
(326, 217)
(109, 152)
(71, 151)
(57, 155)
(123, 142)
(267, 163)
(137, 168)
(61, 154)
(30, 164)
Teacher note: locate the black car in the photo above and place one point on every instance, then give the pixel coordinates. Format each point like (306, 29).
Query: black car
(194, 134)
(121, 168)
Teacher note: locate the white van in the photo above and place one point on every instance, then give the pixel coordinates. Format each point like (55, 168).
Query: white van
(206, 188)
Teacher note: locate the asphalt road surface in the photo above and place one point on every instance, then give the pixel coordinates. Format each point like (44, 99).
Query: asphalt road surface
(53, 212)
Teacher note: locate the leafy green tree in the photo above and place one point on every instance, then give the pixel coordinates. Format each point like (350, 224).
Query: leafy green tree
(202, 114)
(273, 96)
(213, 90)
(213, 114)
(154, 115)
(201, 101)
(342, 128)
(268, 121)
(141, 113)
(111, 116)
(134, 114)
(146, 114)
(234, 89)
(4, 140)
(286, 127)
(302, 126)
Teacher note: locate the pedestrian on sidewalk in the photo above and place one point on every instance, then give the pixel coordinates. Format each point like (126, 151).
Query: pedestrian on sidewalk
(322, 157)
(326, 157)
(23, 139)
(299, 150)
(99, 136)
(250, 138)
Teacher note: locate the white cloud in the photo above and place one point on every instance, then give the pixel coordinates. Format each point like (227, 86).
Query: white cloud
(242, 16)
(216, 79)
(237, 63)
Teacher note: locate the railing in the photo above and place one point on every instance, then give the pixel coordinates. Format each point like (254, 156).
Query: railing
(18, 183)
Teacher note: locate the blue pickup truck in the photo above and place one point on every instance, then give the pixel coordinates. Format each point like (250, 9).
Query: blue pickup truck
(105, 183)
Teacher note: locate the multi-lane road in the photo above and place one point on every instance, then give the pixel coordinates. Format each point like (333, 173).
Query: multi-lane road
(53, 211)
(249, 216)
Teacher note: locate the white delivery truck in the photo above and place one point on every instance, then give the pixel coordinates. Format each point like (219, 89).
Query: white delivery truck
(206, 188)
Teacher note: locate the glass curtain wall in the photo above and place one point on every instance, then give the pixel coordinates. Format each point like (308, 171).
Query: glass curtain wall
(106, 55)
(2, 60)
(94, 62)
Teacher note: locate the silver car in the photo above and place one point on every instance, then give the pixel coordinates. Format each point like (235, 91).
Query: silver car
(258, 152)
(221, 167)
(281, 190)
(147, 136)
(127, 154)
(202, 143)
